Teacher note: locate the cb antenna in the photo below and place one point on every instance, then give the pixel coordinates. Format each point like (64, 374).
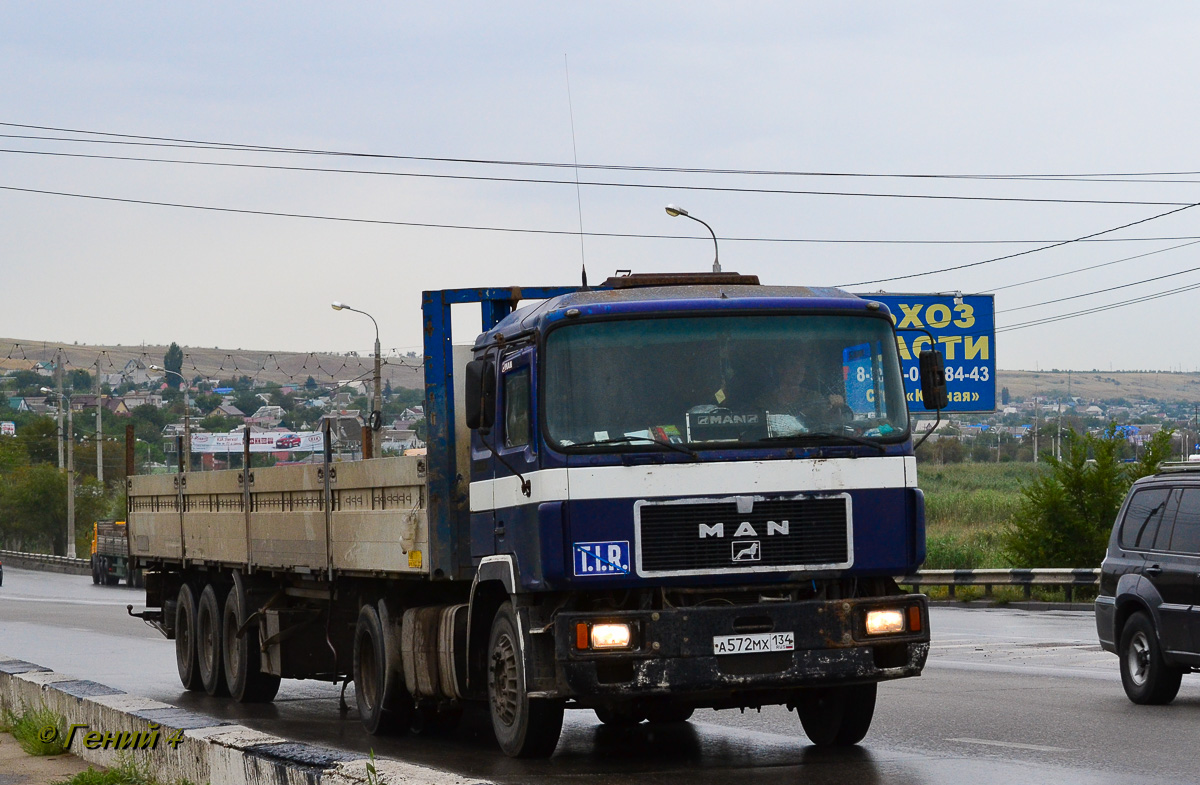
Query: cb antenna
(575, 154)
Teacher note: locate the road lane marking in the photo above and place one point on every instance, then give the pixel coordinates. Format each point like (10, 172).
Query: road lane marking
(1012, 745)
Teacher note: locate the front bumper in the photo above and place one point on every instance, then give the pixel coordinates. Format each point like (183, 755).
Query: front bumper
(672, 652)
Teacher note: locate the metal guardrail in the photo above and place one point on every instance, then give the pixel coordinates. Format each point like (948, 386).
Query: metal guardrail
(47, 562)
(1069, 579)
(1027, 578)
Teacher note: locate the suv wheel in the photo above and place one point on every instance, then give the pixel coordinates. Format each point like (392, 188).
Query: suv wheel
(1147, 678)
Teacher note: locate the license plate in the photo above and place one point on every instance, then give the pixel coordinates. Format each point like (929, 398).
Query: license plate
(753, 643)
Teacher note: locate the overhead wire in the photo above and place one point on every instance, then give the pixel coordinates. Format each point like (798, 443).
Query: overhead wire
(163, 141)
(607, 184)
(1021, 253)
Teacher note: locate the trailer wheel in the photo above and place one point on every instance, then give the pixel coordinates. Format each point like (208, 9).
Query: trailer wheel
(525, 727)
(243, 673)
(186, 659)
(208, 642)
(837, 716)
(380, 709)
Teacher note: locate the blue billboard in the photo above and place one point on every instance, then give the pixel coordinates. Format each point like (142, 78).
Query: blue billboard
(963, 328)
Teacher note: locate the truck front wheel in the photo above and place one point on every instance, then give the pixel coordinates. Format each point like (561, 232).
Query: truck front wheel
(837, 716)
(525, 727)
(185, 640)
(208, 642)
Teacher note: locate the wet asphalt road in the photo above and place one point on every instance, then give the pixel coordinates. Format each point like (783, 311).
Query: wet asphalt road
(1008, 697)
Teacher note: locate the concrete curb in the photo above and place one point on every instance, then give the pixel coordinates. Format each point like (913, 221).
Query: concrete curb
(208, 750)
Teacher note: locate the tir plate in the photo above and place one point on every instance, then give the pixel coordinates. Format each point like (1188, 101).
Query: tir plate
(754, 643)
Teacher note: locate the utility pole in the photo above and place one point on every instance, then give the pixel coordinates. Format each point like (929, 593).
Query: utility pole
(70, 482)
(1036, 422)
(99, 426)
(58, 385)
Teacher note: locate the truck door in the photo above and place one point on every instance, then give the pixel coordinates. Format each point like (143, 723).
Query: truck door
(515, 444)
(483, 471)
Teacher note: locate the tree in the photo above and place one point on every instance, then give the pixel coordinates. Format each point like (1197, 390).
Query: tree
(1004, 396)
(173, 362)
(80, 381)
(1066, 516)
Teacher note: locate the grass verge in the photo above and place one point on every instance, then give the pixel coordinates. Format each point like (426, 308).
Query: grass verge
(38, 731)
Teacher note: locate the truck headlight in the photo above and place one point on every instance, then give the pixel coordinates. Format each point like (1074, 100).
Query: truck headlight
(611, 636)
(883, 622)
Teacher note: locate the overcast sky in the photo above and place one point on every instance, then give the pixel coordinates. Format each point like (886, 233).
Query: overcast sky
(868, 88)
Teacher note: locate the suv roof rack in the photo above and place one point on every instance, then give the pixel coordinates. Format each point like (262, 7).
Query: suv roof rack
(1171, 467)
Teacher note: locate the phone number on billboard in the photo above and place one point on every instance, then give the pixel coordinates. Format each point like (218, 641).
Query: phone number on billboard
(976, 373)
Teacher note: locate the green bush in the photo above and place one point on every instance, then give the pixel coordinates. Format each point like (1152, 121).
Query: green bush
(1065, 517)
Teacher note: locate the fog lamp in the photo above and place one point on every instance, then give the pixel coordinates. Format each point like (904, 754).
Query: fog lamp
(882, 622)
(610, 636)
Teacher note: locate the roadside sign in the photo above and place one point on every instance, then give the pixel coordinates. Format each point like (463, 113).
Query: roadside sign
(8, 429)
(964, 328)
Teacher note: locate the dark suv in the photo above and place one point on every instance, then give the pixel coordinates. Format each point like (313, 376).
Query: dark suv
(1148, 611)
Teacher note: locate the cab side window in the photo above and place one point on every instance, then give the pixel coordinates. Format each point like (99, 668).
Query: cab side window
(517, 404)
(1186, 537)
(1142, 518)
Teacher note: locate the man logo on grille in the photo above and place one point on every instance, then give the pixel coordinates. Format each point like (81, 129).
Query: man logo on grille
(746, 550)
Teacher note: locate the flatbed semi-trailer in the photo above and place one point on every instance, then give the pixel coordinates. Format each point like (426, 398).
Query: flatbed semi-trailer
(618, 511)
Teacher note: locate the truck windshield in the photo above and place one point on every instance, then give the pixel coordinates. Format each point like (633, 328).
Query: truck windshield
(723, 381)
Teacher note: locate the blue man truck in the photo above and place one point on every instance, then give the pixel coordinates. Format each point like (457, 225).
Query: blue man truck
(663, 493)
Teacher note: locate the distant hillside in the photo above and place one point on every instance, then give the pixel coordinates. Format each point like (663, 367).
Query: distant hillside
(213, 363)
(294, 367)
(1102, 385)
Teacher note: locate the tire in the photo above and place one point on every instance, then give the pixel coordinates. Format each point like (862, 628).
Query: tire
(1147, 678)
(837, 716)
(95, 572)
(208, 643)
(240, 654)
(525, 727)
(666, 713)
(621, 715)
(382, 707)
(186, 659)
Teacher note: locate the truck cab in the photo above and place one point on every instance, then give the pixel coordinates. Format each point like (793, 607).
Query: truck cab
(675, 526)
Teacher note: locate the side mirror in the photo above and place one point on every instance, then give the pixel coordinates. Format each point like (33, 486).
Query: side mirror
(933, 380)
(480, 386)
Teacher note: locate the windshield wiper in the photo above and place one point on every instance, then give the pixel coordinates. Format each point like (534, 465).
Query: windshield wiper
(821, 435)
(632, 439)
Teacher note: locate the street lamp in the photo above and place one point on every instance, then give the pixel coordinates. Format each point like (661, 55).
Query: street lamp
(187, 416)
(70, 436)
(675, 212)
(377, 405)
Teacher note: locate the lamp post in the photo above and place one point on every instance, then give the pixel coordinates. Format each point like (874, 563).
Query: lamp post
(63, 398)
(377, 404)
(187, 416)
(675, 212)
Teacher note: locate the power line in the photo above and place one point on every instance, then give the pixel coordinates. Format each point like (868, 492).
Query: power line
(1098, 309)
(572, 233)
(1100, 291)
(1090, 267)
(161, 141)
(1021, 253)
(605, 184)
